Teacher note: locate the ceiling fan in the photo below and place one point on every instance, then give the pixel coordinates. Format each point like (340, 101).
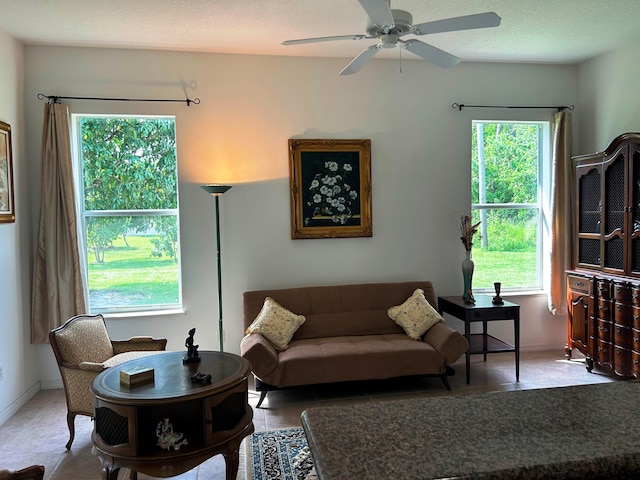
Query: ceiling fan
(388, 25)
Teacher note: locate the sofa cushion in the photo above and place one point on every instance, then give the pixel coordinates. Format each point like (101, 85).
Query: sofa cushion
(351, 358)
(276, 323)
(416, 316)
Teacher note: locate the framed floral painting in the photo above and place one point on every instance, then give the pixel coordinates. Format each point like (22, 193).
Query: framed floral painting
(7, 212)
(330, 188)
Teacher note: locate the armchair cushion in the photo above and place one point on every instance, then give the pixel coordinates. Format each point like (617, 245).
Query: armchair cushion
(126, 356)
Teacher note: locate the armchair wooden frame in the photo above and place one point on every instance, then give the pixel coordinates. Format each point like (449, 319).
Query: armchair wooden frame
(80, 365)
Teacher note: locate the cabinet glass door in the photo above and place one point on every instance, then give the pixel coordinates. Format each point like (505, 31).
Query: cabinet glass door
(634, 154)
(590, 209)
(614, 211)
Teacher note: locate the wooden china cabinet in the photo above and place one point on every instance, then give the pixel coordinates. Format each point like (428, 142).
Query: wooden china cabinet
(604, 287)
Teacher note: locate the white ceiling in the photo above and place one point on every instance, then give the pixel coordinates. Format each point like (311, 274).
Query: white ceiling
(548, 31)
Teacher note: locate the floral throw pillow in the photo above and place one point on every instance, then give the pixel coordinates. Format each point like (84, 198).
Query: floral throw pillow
(276, 324)
(416, 316)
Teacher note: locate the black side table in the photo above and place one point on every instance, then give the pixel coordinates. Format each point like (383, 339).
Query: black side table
(484, 311)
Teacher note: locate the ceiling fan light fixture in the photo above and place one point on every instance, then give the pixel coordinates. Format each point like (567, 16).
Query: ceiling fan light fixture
(402, 24)
(389, 41)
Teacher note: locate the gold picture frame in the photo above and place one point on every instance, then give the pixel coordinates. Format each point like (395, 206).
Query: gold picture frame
(330, 184)
(7, 209)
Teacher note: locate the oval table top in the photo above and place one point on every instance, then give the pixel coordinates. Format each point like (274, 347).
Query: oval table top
(172, 377)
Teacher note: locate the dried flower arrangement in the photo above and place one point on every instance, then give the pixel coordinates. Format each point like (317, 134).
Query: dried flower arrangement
(468, 230)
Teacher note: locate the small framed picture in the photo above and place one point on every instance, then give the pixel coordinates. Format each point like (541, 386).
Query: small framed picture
(330, 188)
(7, 211)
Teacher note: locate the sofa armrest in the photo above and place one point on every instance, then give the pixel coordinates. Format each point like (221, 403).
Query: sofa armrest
(450, 343)
(260, 353)
(135, 344)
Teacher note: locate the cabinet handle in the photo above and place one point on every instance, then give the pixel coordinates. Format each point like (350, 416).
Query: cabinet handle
(619, 307)
(603, 329)
(636, 339)
(635, 317)
(603, 349)
(635, 296)
(579, 284)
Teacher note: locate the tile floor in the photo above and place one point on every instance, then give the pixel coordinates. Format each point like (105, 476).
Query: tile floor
(37, 433)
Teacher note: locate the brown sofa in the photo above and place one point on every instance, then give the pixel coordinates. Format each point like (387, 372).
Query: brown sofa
(347, 336)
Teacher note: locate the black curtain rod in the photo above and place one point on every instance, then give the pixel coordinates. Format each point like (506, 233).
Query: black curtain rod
(57, 98)
(460, 106)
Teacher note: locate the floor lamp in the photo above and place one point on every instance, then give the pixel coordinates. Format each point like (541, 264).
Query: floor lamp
(217, 191)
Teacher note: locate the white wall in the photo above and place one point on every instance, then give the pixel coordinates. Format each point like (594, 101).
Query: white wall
(250, 106)
(609, 93)
(17, 356)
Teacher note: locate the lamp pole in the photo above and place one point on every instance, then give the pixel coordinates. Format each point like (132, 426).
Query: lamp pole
(217, 191)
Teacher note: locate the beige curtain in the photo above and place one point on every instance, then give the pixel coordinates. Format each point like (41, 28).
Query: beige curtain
(562, 208)
(57, 280)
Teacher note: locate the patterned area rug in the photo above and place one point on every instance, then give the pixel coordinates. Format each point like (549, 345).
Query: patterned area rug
(280, 454)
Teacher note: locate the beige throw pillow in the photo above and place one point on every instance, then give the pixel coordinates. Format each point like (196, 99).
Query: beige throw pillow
(276, 324)
(416, 316)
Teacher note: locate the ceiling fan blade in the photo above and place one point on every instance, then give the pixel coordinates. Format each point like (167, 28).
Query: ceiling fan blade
(430, 53)
(468, 22)
(379, 12)
(324, 39)
(359, 62)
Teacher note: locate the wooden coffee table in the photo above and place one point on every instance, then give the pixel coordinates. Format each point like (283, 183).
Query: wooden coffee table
(213, 418)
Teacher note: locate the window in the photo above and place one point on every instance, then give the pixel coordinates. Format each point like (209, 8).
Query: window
(506, 193)
(127, 189)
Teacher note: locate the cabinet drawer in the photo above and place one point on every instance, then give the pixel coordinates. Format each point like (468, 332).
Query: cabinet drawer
(604, 330)
(635, 363)
(603, 288)
(603, 309)
(622, 361)
(603, 352)
(578, 284)
(635, 295)
(622, 335)
(622, 292)
(635, 317)
(622, 314)
(635, 339)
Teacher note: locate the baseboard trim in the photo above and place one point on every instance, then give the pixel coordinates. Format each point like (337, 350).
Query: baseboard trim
(8, 412)
(51, 384)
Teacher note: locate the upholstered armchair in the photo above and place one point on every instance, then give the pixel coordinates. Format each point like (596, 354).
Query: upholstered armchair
(34, 472)
(83, 349)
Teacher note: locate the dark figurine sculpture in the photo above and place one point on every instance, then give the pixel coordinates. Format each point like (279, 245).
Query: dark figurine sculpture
(201, 378)
(192, 350)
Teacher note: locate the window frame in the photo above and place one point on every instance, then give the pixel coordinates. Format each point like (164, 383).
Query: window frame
(545, 162)
(78, 178)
